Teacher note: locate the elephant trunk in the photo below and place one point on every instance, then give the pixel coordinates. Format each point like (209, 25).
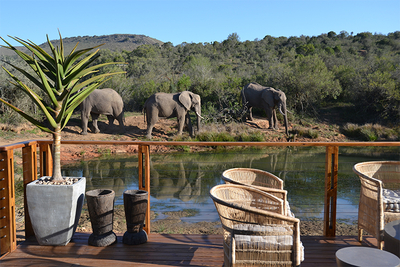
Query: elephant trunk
(198, 120)
(284, 113)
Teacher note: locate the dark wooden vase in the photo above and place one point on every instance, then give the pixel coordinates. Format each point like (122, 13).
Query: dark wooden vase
(100, 204)
(135, 205)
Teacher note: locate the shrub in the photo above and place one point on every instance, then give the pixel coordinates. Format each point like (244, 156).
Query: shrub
(370, 132)
(256, 136)
(351, 130)
(313, 134)
(216, 132)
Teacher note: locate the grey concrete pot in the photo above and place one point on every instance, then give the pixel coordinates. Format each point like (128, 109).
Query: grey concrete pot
(55, 210)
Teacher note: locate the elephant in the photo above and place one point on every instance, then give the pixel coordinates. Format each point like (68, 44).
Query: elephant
(102, 101)
(266, 98)
(171, 105)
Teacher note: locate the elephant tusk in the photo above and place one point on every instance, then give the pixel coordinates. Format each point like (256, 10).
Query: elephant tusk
(199, 115)
(280, 110)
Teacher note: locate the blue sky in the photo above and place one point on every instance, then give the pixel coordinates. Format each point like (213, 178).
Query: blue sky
(179, 21)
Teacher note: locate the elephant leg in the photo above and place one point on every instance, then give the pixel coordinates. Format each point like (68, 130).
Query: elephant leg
(120, 119)
(84, 119)
(149, 130)
(189, 124)
(95, 117)
(250, 114)
(274, 120)
(181, 123)
(152, 118)
(270, 118)
(110, 120)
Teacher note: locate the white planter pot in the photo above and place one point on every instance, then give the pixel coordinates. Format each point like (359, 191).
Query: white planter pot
(55, 210)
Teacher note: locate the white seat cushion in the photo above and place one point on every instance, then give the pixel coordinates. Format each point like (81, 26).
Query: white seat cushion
(391, 200)
(275, 241)
(289, 212)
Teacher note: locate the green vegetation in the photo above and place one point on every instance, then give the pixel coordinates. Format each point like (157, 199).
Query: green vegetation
(360, 71)
(306, 132)
(371, 132)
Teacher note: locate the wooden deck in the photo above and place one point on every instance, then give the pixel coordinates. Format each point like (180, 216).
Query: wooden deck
(162, 250)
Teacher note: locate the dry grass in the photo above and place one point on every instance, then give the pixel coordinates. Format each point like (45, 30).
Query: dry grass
(229, 132)
(371, 132)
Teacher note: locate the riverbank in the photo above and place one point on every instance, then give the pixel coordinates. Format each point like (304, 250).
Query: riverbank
(165, 130)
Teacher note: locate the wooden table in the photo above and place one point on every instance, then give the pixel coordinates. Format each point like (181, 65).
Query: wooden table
(365, 256)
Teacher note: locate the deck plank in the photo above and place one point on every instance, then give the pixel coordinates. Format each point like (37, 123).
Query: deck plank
(162, 250)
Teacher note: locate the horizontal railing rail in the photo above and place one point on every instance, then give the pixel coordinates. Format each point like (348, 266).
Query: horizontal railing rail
(30, 158)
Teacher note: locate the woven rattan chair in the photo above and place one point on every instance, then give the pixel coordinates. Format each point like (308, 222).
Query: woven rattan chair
(256, 233)
(262, 180)
(379, 196)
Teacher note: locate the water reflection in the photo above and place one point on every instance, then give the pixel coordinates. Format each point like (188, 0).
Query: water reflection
(183, 180)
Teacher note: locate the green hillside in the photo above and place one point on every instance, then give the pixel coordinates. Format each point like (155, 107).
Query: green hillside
(113, 42)
(335, 78)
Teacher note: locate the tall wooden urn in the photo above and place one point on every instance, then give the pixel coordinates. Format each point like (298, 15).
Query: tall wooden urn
(100, 204)
(135, 205)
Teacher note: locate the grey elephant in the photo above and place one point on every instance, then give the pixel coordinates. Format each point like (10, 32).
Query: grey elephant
(102, 101)
(170, 106)
(266, 98)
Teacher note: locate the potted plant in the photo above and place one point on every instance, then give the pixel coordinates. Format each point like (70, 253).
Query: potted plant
(65, 81)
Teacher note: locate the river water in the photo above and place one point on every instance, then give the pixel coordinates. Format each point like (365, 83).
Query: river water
(183, 180)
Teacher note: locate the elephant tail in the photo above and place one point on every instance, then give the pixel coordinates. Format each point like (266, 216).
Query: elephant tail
(144, 114)
(243, 97)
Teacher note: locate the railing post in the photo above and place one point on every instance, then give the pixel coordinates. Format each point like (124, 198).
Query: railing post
(144, 179)
(29, 165)
(8, 234)
(46, 160)
(331, 179)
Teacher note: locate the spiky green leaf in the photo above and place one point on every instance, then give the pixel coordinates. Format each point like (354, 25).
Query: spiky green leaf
(27, 117)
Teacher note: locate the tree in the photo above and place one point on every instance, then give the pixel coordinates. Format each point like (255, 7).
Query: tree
(184, 83)
(199, 69)
(331, 34)
(310, 82)
(306, 49)
(65, 80)
(233, 37)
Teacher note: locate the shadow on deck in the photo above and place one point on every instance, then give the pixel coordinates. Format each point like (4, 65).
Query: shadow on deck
(162, 250)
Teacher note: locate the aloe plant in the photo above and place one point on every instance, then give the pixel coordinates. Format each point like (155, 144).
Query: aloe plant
(65, 80)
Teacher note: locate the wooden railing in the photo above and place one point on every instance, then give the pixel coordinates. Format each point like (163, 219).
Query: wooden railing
(30, 170)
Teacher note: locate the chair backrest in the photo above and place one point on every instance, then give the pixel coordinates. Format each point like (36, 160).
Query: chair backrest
(387, 173)
(237, 204)
(370, 186)
(252, 177)
(240, 196)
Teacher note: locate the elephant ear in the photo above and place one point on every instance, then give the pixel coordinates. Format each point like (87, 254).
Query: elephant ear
(268, 97)
(185, 99)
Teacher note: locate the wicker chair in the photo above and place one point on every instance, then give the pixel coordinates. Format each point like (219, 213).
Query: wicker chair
(379, 196)
(256, 233)
(259, 179)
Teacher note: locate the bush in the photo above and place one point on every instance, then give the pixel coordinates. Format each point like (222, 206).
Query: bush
(306, 132)
(227, 110)
(370, 132)
(256, 136)
(232, 132)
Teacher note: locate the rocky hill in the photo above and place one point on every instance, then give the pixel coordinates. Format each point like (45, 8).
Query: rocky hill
(113, 42)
